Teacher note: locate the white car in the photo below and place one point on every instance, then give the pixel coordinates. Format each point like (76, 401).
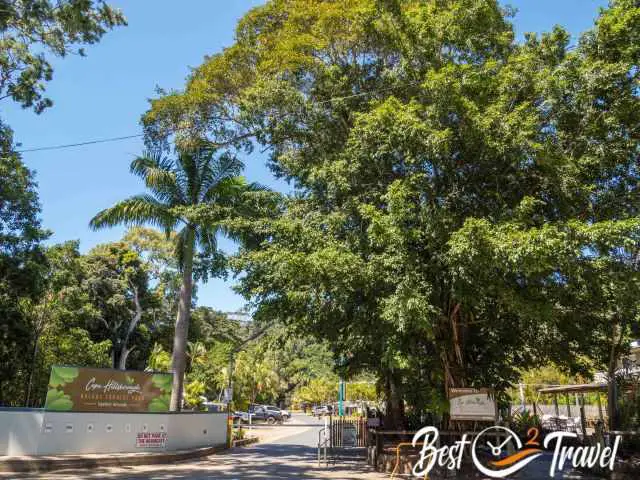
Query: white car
(322, 410)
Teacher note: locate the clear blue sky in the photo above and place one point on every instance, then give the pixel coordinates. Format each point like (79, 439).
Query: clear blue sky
(104, 94)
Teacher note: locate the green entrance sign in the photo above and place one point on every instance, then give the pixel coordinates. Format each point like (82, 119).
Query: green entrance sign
(78, 389)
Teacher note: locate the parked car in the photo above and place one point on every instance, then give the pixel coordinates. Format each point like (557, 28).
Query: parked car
(285, 414)
(259, 414)
(322, 410)
(238, 417)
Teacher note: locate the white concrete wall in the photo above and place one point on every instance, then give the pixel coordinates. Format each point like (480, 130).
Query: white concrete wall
(20, 432)
(197, 430)
(50, 433)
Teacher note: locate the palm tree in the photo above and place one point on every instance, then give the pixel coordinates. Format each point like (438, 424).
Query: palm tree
(195, 193)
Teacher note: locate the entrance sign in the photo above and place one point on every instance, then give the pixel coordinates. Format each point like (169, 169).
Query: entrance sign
(77, 389)
(471, 404)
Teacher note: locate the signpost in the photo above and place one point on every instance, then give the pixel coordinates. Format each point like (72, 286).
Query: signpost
(228, 395)
(341, 397)
(77, 389)
(472, 404)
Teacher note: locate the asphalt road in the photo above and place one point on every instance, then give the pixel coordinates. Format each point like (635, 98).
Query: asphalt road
(284, 452)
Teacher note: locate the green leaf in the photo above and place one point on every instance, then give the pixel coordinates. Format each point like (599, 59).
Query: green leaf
(54, 394)
(62, 375)
(61, 405)
(163, 381)
(58, 401)
(68, 373)
(159, 404)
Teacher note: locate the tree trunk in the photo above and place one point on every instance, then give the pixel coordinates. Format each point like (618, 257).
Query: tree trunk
(395, 415)
(179, 356)
(616, 342)
(125, 350)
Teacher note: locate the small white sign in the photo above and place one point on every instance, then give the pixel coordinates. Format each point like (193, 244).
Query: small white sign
(228, 395)
(471, 404)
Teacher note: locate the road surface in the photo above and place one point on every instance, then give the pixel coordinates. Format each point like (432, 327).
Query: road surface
(283, 453)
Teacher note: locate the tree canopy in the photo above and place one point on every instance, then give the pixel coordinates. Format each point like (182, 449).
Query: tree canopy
(466, 204)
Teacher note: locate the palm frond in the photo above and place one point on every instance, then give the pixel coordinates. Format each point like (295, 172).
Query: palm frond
(140, 165)
(224, 167)
(226, 191)
(136, 210)
(188, 175)
(159, 176)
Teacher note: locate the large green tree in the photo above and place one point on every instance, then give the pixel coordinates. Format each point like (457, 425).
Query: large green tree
(116, 280)
(192, 194)
(22, 263)
(467, 205)
(33, 31)
(61, 319)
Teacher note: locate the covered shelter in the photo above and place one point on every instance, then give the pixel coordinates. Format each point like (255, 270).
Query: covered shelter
(579, 391)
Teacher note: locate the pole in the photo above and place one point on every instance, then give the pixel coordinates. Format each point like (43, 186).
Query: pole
(340, 398)
(229, 418)
(583, 417)
(600, 414)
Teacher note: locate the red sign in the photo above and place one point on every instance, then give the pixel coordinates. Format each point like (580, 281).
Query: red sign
(151, 440)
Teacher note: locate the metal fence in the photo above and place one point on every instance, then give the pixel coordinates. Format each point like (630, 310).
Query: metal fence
(348, 432)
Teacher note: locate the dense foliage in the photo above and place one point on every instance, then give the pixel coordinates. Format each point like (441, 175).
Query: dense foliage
(467, 205)
(21, 266)
(32, 31)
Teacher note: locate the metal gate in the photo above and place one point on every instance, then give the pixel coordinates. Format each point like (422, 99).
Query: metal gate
(348, 432)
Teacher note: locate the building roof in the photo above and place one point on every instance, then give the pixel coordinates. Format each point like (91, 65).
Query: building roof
(585, 387)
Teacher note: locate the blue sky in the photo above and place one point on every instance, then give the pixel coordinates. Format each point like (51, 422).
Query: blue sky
(104, 94)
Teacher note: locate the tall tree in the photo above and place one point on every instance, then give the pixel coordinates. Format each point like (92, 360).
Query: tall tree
(22, 264)
(32, 32)
(60, 320)
(117, 283)
(458, 191)
(196, 191)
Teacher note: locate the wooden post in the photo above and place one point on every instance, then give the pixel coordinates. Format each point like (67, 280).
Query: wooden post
(583, 418)
(568, 405)
(600, 414)
(555, 403)
(379, 446)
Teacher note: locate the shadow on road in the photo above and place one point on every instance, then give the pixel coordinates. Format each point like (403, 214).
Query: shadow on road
(269, 461)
